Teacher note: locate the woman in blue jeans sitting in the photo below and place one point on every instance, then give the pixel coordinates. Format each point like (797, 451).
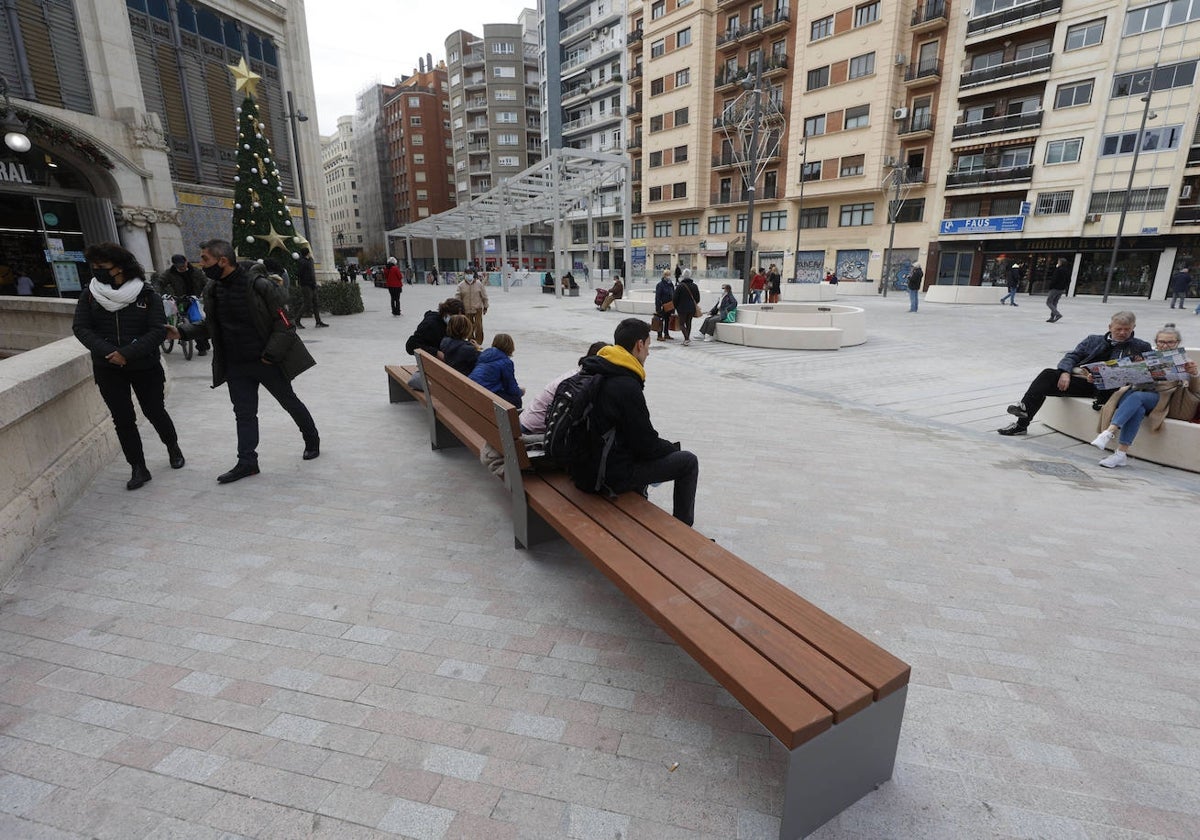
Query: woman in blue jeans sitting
(1157, 401)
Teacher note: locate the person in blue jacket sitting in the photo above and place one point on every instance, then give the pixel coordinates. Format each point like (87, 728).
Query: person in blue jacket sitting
(495, 370)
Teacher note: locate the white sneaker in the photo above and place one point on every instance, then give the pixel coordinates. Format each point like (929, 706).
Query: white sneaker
(1103, 439)
(686, 342)
(1117, 459)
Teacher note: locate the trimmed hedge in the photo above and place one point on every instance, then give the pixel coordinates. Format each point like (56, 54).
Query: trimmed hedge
(334, 298)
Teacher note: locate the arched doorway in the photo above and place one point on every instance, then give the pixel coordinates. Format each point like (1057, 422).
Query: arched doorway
(51, 207)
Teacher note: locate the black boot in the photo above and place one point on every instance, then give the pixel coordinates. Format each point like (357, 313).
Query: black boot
(175, 454)
(140, 476)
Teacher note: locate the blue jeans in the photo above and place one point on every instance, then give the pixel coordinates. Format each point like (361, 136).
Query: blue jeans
(1011, 297)
(1130, 413)
(913, 299)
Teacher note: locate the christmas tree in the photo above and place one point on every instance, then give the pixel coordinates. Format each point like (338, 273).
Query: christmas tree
(262, 225)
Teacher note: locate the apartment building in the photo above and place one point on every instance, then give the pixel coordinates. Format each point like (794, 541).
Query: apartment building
(495, 116)
(340, 178)
(584, 100)
(376, 199)
(1068, 120)
(419, 145)
(670, 130)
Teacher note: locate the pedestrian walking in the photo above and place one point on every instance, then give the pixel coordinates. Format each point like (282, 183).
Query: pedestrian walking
(686, 300)
(1060, 279)
(1012, 278)
(1181, 282)
(773, 288)
(664, 305)
(306, 276)
(474, 297)
(915, 280)
(394, 281)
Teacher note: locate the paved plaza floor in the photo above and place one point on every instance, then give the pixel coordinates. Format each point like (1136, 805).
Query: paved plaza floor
(351, 648)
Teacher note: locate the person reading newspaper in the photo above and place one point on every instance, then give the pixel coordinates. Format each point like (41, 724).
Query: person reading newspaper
(1157, 399)
(1063, 381)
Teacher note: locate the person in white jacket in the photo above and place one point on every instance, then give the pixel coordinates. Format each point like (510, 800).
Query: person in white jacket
(473, 293)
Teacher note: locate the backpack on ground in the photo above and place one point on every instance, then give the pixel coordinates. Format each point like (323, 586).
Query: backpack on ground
(572, 437)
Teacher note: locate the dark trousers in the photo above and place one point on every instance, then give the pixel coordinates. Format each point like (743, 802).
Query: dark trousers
(680, 467)
(1052, 298)
(685, 325)
(395, 293)
(309, 295)
(243, 381)
(116, 384)
(1045, 384)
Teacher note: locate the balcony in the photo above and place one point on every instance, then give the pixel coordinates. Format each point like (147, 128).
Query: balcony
(473, 59)
(1014, 14)
(929, 16)
(915, 175)
(576, 28)
(636, 74)
(633, 110)
(923, 73)
(987, 177)
(918, 125)
(1187, 214)
(1008, 70)
(1193, 158)
(723, 160)
(778, 20)
(729, 37)
(635, 142)
(726, 197)
(476, 104)
(997, 125)
(634, 37)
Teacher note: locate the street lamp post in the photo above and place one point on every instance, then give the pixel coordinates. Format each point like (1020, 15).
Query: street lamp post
(1125, 199)
(899, 177)
(800, 205)
(294, 117)
(751, 178)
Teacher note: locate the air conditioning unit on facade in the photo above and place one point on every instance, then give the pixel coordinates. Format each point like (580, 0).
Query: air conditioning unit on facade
(901, 58)
(900, 114)
(1186, 192)
(1091, 218)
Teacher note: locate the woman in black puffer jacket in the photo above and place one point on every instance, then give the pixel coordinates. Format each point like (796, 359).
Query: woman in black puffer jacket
(120, 319)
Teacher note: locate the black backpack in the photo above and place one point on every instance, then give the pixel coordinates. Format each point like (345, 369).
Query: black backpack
(572, 437)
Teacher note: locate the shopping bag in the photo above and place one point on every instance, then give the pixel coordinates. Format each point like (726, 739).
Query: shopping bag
(194, 313)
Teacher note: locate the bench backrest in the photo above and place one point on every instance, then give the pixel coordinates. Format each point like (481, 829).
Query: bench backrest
(491, 417)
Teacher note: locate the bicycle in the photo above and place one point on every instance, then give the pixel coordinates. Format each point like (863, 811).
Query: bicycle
(175, 317)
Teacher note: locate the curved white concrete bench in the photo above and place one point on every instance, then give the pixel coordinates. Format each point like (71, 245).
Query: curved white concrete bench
(1176, 444)
(796, 326)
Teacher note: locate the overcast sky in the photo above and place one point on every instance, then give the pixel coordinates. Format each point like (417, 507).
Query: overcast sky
(356, 43)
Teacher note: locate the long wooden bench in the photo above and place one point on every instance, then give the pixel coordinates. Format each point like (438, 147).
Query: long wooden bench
(832, 697)
(398, 388)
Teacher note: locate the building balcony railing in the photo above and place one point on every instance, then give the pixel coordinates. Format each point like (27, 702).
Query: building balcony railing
(930, 70)
(929, 15)
(1002, 175)
(1013, 14)
(778, 18)
(916, 124)
(726, 197)
(634, 142)
(473, 104)
(633, 110)
(997, 125)
(1008, 70)
(1187, 214)
(634, 37)
(575, 28)
(724, 159)
(636, 73)
(915, 175)
(479, 147)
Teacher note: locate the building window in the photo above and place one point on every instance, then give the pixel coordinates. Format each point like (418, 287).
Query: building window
(656, 86)
(1084, 35)
(1054, 203)
(503, 48)
(818, 78)
(637, 230)
(1165, 78)
(683, 77)
(418, 140)
(418, 158)
(689, 227)
(680, 155)
(1064, 151)
(662, 229)
(912, 210)
(658, 9)
(419, 177)
(656, 193)
(505, 95)
(1153, 140)
(822, 28)
(508, 161)
(504, 72)
(863, 65)
(506, 139)
(1071, 95)
(814, 217)
(683, 37)
(655, 159)
(658, 48)
(506, 116)
(1158, 16)
(852, 165)
(741, 222)
(1140, 200)
(422, 195)
(811, 171)
(857, 117)
(414, 102)
(679, 189)
(814, 126)
(866, 13)
(857, 215)
(773, 220)
(681, 117)
(718, 224)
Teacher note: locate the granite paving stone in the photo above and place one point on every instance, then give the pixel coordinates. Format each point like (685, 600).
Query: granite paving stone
(352, 648)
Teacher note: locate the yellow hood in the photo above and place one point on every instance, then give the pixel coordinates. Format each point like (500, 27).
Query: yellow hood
(618, 355)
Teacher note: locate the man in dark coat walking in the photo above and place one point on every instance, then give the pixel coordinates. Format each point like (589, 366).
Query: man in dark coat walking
(306, 275)
(181, 281)
(1060, 279)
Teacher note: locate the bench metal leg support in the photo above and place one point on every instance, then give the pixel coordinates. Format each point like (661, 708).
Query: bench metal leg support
(443, 438)
(529, 529)
(396, 393)
(840, 766)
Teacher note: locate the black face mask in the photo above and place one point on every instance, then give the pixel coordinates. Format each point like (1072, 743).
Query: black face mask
(213, 272)
(102, 276)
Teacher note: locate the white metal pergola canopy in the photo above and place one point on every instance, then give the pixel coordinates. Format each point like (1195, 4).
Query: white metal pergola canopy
(567, 180)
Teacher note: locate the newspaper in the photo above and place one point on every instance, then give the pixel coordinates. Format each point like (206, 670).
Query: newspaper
(1153, 366)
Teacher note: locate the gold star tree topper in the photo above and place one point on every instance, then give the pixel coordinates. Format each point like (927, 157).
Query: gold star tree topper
(244, 79)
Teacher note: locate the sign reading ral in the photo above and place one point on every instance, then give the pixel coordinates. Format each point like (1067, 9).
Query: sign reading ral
(982, 225)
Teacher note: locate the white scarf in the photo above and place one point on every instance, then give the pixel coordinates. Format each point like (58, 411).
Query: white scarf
(113, 298)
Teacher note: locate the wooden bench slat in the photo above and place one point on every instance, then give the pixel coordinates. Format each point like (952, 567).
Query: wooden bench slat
(866, 660)
(401, 374)
(824, 678)
(789, 712)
